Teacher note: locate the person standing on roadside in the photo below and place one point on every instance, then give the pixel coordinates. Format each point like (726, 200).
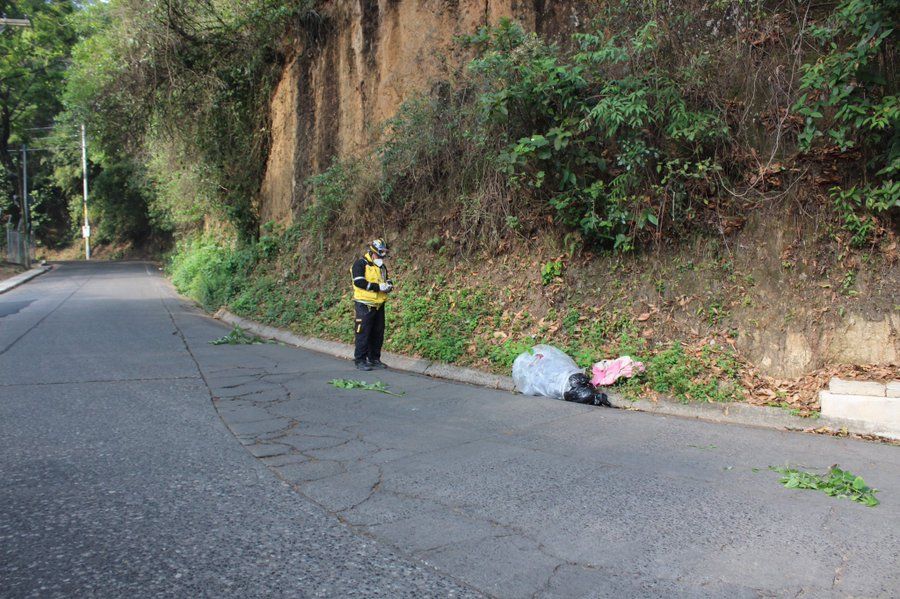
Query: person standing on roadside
(371, 287)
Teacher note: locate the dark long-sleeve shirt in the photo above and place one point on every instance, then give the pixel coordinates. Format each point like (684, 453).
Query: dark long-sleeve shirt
(359, 276)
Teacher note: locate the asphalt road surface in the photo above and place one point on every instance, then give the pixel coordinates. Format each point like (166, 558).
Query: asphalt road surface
(137, 459)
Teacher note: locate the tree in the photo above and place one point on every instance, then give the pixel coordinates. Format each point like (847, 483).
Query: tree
(33, 60)
(183, 87)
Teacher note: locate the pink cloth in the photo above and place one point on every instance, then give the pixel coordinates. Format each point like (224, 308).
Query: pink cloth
(607, 372)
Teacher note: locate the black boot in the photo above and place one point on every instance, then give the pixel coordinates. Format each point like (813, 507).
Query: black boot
(377, 364)
(362, 365)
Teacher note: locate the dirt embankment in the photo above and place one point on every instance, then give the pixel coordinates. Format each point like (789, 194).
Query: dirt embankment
(779, 290)
(759, 311)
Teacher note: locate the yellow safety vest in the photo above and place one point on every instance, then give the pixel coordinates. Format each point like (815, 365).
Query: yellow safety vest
(374, 274)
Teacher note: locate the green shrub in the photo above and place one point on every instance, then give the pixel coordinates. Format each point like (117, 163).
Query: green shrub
(550, 271)
(592, 135)
(849, 99)
(503, 355)
(198, 270)
(212, 272)
(570, 321)
(189, 85)
(328, 192)
(598, 133)
(713, 376)
(858, 208)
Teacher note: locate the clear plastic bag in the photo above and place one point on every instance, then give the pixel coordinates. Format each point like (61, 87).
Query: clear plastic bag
(544, 370)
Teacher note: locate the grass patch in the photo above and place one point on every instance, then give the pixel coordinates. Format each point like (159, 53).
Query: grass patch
(707, 375)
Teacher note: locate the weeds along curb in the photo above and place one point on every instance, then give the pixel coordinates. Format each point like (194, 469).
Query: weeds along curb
(733, 413)
(397, 361)
(13, 282)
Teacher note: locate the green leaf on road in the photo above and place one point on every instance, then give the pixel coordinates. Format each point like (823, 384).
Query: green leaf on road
(837, 483)
(237, 336)
(352, 384)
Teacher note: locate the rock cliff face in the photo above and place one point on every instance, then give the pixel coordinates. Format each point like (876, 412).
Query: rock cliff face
(366, 58)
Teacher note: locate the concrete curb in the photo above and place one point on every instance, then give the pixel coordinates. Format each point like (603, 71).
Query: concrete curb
(397, 361)
(13, 282)
(749, 415)
(734, 413)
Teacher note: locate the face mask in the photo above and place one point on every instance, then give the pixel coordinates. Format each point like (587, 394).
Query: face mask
(378, 261)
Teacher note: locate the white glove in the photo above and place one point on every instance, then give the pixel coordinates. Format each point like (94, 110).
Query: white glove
(385, 287)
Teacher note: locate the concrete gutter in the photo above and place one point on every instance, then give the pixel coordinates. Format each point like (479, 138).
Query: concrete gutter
(726, 413)
(396, 361)
(750, 415)
(13, 282)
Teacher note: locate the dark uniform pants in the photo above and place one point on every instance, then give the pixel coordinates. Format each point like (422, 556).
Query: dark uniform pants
(369, 332)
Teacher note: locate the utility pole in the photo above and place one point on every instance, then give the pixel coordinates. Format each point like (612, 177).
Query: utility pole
(86, 230)
(4, 23)
(26, 209)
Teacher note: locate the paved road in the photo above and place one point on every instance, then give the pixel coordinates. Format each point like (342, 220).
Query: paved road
(138, 459)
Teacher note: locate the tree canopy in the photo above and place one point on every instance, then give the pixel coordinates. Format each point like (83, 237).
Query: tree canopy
(33, 62)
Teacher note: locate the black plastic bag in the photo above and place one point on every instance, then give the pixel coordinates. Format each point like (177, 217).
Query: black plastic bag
(580, 390)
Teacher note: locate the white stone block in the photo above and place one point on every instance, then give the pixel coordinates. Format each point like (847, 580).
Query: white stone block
(893, 389)
(883, 412)
(842, 387)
